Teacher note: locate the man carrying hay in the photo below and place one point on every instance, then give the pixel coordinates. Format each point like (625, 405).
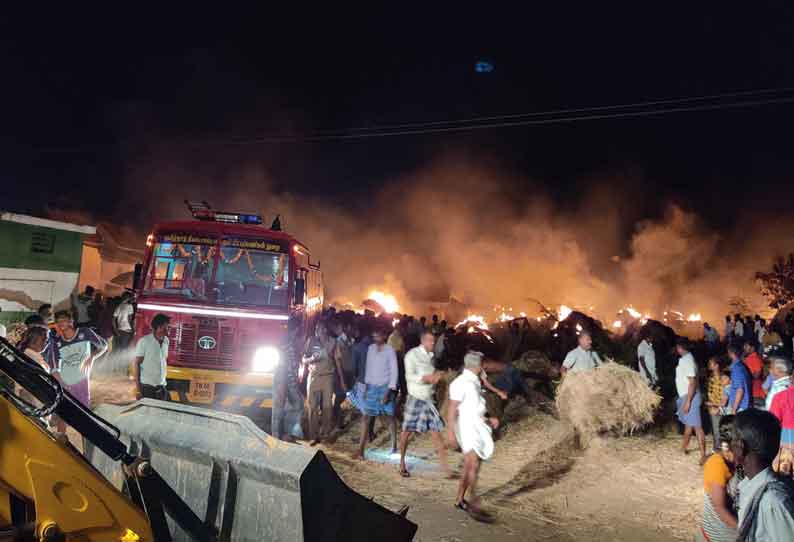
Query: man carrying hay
(582, 358)
(469, 428)
(689, 398)
(612, 399)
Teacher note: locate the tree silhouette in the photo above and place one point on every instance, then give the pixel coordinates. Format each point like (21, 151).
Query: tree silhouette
(778, 285)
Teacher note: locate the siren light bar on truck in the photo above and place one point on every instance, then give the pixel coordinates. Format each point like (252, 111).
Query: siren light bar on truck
(203, 211)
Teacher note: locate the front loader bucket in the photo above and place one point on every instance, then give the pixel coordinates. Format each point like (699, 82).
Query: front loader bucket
(246, 484)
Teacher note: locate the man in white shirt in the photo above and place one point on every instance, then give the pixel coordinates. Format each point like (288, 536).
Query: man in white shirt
(3, 331)
(689, 398)
(738, 328)
(760, 333)
(472, 430)
(420, 414)
(149, 368)
(646, 357)
(122, 322)
(766, 501)
(582, 358)
(780, 371)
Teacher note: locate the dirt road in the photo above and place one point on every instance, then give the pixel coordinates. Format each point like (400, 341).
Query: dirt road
(541, 486)
(539, 483)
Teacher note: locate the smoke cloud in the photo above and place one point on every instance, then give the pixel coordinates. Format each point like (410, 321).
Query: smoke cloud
(484, 237)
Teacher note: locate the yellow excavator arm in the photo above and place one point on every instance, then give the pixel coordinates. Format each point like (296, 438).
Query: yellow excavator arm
(48, 491)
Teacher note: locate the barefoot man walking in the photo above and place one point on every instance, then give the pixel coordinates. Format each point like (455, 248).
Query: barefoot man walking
(420, 414)
(469, 428)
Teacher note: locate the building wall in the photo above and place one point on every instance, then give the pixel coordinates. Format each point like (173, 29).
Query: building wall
(37, 265)
(24, 246)
(90, 268)
(96, 272)
(23, 291)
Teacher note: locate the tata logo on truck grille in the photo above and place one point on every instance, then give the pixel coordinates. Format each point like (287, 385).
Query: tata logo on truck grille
(207, 343)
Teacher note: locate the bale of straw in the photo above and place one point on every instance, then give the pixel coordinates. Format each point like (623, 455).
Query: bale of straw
(536, 362)
(609, 399)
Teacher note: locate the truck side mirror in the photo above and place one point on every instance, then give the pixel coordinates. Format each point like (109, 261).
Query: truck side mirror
(300, 291)
(136, 276)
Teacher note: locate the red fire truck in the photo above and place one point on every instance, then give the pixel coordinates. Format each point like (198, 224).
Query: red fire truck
(229, 285)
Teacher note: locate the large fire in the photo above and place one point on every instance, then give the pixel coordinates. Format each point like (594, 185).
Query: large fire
(387, 301)
(506, 314)
(564, 312)
(473, 322)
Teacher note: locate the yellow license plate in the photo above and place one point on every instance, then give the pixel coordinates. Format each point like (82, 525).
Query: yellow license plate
(201, 391)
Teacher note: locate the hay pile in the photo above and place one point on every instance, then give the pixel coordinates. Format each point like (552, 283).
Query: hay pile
(537, 363)
(609, 399)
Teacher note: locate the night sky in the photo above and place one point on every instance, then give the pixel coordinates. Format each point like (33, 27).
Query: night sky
(87, 96)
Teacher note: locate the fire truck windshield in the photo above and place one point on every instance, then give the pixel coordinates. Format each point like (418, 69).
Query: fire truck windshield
(251, 277)
(235, 276)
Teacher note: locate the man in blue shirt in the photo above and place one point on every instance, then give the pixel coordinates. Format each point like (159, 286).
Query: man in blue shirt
(741, 392)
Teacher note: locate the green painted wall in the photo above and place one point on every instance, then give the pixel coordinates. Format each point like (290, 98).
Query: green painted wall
(23, 246)
(11, 317)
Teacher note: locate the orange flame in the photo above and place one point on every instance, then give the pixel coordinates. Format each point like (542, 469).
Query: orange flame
(387, 301)
(473, 322)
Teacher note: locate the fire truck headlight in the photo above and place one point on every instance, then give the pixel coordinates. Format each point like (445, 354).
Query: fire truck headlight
(265, 360)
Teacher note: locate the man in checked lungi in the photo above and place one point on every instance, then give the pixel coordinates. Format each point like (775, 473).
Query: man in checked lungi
(420, 414)
(375, 396)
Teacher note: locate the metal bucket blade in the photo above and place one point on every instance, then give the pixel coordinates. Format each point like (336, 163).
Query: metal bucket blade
(246, 484)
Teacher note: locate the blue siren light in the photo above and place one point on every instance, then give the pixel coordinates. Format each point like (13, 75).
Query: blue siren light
(483, 66)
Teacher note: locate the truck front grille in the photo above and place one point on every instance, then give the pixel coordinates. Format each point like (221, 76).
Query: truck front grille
(185, 336)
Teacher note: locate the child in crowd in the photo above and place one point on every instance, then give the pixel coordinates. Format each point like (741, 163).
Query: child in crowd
(714, 398)
(725, 379)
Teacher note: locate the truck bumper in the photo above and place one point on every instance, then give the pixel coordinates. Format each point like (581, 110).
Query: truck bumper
(221, 390)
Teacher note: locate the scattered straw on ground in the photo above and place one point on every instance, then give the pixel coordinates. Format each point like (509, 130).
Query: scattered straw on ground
(611, 398)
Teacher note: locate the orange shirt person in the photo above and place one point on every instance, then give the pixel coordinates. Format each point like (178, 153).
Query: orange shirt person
(756, 367)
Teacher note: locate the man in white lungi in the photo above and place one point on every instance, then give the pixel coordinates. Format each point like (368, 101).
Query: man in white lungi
(470, 428)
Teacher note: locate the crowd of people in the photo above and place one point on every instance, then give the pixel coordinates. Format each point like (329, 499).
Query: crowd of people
(389, 369)
(736, 389)
(384, 368)
(68, 342)
(747, 392)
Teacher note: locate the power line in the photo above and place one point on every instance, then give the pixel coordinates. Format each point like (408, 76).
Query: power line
(651, 103)
(539, 118)
(516, 123)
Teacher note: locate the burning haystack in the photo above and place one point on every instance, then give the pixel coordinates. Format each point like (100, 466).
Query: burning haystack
(609, 399)
(536, 363)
